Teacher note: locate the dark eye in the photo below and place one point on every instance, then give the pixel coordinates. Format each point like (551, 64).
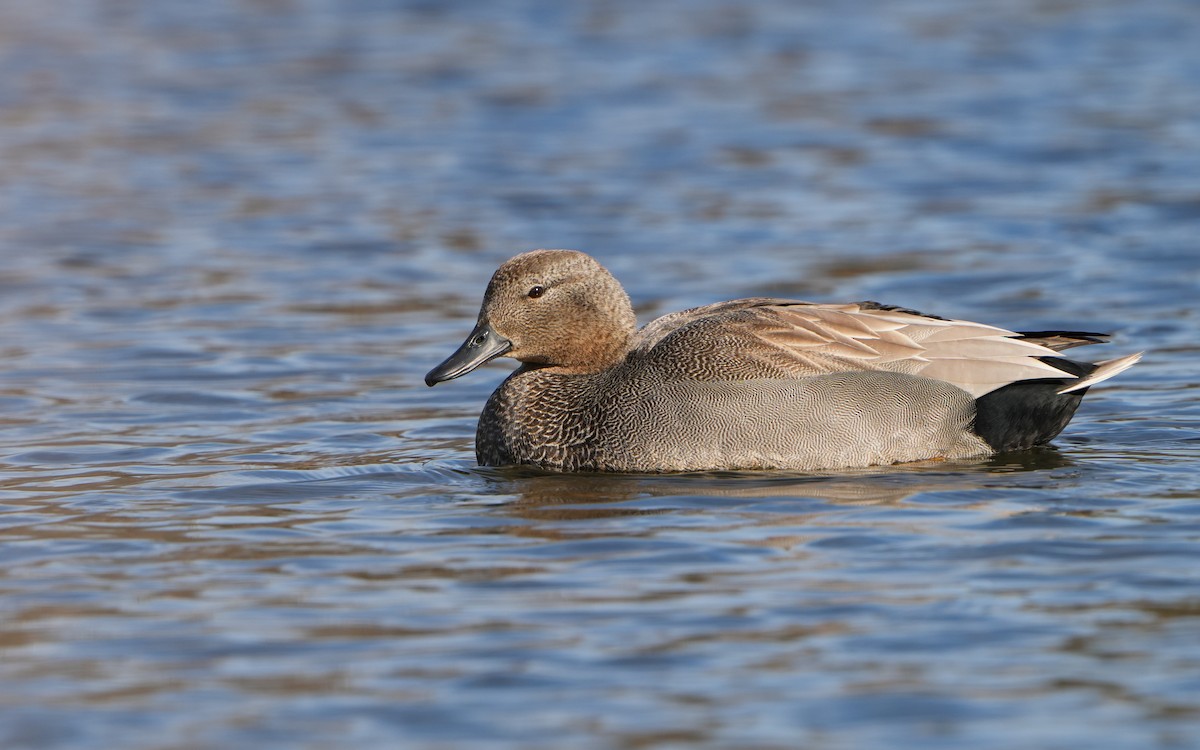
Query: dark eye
(537, 291)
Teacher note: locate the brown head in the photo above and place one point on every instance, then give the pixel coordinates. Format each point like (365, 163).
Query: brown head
(552, 308)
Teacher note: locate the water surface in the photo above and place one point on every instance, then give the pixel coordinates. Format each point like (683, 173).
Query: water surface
(236, 234)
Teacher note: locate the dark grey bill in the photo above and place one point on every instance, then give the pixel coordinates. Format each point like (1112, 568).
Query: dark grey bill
(483, 344)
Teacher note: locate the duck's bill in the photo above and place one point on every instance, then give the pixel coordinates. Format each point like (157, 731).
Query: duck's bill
(483, 344)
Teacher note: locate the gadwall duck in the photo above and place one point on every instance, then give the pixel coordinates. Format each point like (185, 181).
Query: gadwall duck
(753, 383)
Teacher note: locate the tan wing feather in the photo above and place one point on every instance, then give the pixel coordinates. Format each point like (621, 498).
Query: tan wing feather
(800, 338)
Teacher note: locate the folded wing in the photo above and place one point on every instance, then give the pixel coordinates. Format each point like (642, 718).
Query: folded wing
(763, 337)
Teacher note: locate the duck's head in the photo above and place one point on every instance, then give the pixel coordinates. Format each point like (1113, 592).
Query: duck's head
(548, 308)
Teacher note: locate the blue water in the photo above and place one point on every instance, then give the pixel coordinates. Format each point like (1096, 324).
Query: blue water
(235, 235)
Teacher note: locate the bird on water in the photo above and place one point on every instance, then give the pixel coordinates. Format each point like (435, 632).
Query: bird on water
(757, 383)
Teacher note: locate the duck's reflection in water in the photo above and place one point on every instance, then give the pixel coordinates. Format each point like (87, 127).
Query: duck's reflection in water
(538, 494)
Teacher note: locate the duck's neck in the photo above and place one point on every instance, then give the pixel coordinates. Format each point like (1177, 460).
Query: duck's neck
(596, 354)
(604, 353)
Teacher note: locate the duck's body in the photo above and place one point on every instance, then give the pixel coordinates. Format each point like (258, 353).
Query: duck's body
(754, 383)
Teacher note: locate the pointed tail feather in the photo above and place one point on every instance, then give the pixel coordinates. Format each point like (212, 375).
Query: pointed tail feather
(1104, 370)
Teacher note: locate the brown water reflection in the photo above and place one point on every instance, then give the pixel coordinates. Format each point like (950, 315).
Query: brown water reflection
(533, 489)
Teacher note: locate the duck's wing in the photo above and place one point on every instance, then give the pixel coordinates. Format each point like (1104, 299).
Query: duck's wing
(764, 337)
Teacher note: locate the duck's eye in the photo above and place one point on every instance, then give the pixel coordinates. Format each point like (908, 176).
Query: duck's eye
(537, 291)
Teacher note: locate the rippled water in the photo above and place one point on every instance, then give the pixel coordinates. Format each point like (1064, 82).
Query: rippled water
(236, 234)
